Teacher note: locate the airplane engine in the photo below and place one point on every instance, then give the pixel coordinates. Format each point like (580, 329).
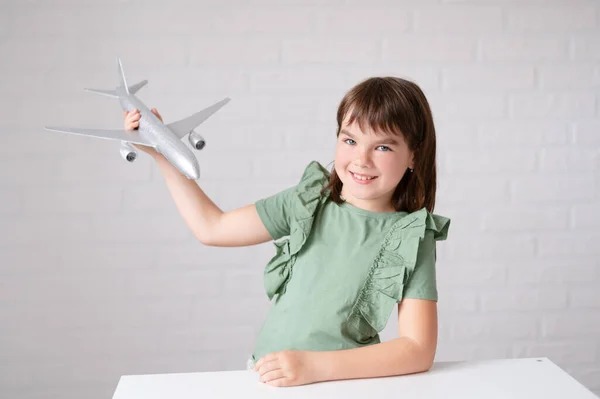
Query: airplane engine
(196, 140)
(128, 152)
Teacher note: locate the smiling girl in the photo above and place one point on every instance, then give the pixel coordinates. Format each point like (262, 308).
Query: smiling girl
(352, 244)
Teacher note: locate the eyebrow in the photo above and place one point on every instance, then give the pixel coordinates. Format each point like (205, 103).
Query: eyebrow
(387, 140)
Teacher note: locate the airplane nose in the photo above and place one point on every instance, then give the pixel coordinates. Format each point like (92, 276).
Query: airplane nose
(195, 175)
(191, 169)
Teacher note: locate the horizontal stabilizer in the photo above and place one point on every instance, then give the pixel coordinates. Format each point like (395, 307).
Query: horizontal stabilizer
(136, 87)
(108, 93)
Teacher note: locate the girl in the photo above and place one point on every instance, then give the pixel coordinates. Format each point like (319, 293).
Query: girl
(355, 242)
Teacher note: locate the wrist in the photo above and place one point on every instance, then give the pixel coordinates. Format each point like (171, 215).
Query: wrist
(324, 365)
(158, 157)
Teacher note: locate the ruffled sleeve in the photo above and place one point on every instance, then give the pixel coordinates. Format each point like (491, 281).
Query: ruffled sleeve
(304, 202)
(391, 270)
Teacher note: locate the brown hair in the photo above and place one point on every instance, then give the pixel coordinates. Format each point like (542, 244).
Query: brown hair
(397, 106)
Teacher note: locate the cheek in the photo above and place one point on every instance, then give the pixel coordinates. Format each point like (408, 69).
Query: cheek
(394, 167)
(387, 161)
(341, 162)
(342, 155)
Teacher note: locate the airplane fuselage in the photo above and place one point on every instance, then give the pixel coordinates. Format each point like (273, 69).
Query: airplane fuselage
(167, 143)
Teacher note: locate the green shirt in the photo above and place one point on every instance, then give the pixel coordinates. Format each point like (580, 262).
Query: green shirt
(340, 270)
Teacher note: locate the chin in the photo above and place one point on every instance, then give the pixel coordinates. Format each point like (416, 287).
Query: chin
(364, 196)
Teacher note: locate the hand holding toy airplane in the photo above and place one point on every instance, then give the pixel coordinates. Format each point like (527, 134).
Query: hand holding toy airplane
(152, 132)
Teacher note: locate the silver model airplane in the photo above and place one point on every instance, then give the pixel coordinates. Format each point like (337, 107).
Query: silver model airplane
(166, 139)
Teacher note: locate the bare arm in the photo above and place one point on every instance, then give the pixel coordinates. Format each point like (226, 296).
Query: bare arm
(212, 226)
(412, 352)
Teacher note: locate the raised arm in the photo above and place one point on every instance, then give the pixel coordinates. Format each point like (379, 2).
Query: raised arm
(237, 228)
(212, 226)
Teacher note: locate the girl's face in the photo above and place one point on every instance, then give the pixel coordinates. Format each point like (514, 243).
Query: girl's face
(370, 166)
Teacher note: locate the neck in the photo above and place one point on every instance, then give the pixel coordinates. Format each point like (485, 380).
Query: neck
(383, 204)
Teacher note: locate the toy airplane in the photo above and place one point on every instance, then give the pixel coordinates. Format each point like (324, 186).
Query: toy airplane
(166, 139)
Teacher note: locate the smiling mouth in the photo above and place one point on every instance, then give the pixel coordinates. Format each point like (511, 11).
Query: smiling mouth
(363, 177)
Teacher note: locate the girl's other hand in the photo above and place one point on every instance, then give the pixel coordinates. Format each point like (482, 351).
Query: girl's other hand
(289, 368)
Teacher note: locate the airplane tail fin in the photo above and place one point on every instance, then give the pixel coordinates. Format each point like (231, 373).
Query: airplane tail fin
(122, 76)
(128, 89)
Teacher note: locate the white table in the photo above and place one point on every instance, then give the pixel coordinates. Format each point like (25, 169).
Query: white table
(505, 378)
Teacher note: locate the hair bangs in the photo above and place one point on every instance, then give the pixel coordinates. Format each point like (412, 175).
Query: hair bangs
(372, 107)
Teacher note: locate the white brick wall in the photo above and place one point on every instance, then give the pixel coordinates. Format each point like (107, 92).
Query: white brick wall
(99, 276)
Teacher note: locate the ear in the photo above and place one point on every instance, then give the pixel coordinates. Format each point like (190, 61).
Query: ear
(411, 162)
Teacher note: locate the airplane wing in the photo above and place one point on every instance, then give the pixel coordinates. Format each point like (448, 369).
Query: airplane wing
(185, 126)
(130, 136)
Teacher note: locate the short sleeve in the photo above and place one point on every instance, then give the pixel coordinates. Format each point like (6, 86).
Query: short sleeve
(296, 203)
(275, 212)
(422, 283)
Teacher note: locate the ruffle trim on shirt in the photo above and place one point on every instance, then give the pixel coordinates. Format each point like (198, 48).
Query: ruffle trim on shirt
(391, 270)
(305, 203)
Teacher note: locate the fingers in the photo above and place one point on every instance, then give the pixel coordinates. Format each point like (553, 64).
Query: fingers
(132, 119)
(280, 382)
(155, 112)
(267, 367)
(272, 375)
(265, 359)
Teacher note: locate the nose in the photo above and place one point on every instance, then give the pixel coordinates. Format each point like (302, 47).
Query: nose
(362, 159)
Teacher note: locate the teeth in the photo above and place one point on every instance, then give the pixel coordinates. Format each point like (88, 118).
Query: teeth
(360, 177)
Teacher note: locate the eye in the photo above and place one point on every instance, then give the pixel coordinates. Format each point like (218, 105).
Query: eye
(347, 140)
(386, 148)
